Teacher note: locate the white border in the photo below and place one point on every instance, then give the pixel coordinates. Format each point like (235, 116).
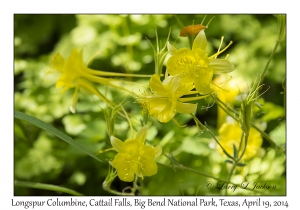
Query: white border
(8, 8)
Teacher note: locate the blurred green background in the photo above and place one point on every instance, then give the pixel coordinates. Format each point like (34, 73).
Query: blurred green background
(119, 44)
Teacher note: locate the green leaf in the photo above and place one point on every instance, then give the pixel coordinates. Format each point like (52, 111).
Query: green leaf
(229, 161)
(241, 164)
(46, 187)
(195, 146)
(235, 152)
(279, 134)
(54, 131)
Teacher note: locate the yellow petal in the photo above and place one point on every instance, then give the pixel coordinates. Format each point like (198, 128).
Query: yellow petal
(149, 167)
(185, 107)
(166, 115)
(200, 41)
(156, 85)
(141, 135)
(158, 151)
(126, 176)
(119, 161)
(117, 144)
(126, 165)
(58, 62)
(157, 105)
(172, 83)
(179, 63)
(162, 109)
(221, 66)
(172, 50)
(131, 146)
(202, 84)
(147, 152)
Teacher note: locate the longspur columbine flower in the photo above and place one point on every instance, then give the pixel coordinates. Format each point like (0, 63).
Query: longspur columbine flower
(164, 100)
(230, 133)
(194, 66)
(75, 74)
(134, 157)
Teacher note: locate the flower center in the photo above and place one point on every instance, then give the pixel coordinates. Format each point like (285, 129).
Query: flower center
(193, 67)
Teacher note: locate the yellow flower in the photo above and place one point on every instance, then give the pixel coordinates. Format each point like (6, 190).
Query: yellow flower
(230, 133)
(194, 66)
(164, 101)
(135, 158)
(75, 74)
(227, 90)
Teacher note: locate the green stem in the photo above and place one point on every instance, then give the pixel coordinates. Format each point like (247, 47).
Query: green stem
(113, 74)
(222, 105)
(269, 61)
(46, 187)
(212, 135)
(245, 146)
(106, 185)
(238, 159)
(230, 174)
(184, 168)
(114, 192)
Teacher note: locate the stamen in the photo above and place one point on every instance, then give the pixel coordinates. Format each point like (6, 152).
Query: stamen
(218, 53)
(209, 21)
(192, 98)
(222, 38)
(203, 19)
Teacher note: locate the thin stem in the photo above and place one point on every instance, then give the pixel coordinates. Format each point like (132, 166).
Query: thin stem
(212, 135)
(240, 146)
(245, 146)
(230, 174)
(135, 185)
(236, 161)
(222, 105)
(184, 168)
(269, 61)
(114, 192)
(113, 74)
(192, 98)
(46, 187)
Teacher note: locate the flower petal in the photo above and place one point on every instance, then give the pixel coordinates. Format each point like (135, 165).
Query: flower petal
(171, 83)
(172, 50)
(185, 107)
(126, 176)
(158, 151)
(117, 144)
(162, 109)
(221, 66)
(126, 166)
(149, 167)
(200, 41)
(141, 135)
(58, 62)
(202, 84)
(166, 115)
(119, 161)
(147, 152)
(179, 63)
(131, 146)
(156, 85)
